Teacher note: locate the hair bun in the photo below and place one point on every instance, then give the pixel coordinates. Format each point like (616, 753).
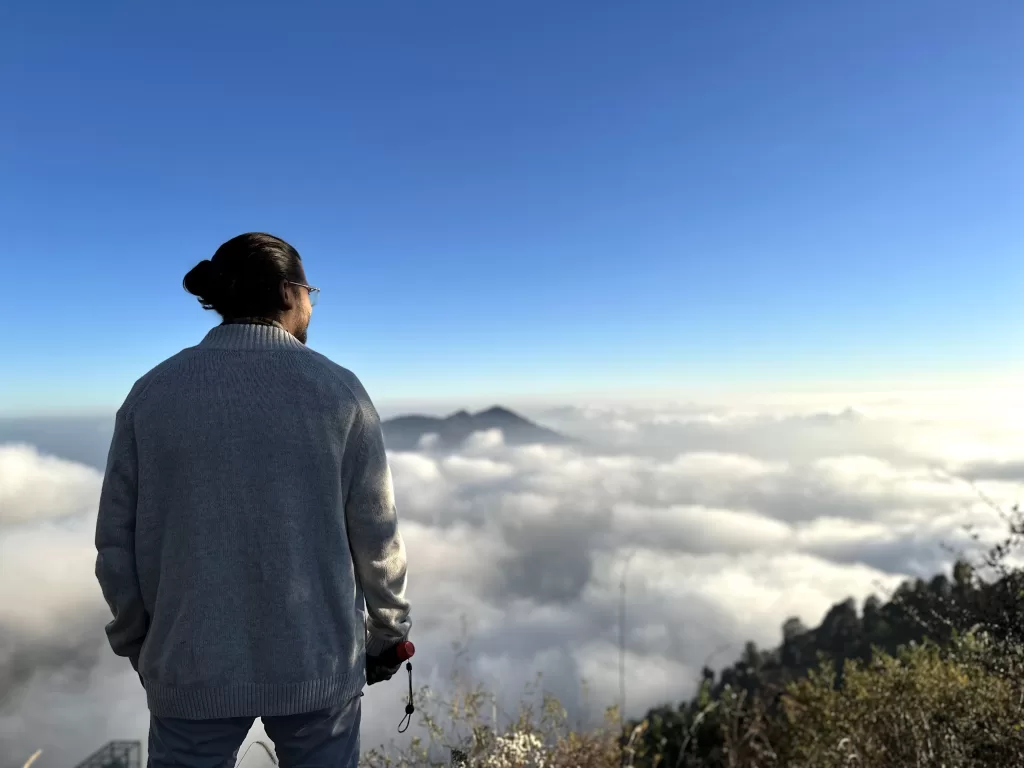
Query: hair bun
(203, 280)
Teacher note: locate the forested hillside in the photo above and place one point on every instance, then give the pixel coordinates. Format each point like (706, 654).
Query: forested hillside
(929, 676)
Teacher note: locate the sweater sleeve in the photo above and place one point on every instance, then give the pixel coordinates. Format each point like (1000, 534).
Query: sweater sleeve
(115, 544)
(378, 550)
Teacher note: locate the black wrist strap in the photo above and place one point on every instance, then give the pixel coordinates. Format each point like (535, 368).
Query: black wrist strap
(410, 707)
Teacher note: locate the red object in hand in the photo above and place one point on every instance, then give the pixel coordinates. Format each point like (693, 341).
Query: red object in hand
(396, 654)
(379, 668)
(405, 650)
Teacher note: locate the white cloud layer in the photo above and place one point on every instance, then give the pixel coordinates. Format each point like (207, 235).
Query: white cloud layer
(736, 519)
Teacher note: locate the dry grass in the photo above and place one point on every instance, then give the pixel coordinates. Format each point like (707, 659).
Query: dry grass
(470, 729)
(926, 706)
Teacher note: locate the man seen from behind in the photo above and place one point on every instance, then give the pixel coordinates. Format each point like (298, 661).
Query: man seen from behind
(247, 540)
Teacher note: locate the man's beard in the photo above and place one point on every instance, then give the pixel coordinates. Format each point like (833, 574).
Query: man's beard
(303, 332)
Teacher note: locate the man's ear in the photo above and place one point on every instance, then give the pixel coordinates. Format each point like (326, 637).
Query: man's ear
(286, 296)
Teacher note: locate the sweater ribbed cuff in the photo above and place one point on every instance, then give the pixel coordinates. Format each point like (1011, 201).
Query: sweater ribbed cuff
(253, 700)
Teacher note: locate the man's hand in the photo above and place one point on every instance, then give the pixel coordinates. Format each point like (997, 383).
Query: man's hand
(376, 672)
(386, 665)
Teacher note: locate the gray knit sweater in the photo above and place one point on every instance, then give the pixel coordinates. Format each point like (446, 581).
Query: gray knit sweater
(247, 530)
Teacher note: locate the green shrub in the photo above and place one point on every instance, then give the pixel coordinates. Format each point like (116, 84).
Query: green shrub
(924, 707)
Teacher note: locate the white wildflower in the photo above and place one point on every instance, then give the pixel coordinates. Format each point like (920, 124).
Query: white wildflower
(516, 750)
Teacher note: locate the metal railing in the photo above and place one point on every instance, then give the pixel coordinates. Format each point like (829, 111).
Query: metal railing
(116, 754)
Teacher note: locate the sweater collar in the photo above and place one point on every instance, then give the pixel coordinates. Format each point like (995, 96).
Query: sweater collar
(250, 335)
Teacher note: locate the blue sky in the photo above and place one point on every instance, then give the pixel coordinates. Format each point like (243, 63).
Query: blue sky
(521, 198)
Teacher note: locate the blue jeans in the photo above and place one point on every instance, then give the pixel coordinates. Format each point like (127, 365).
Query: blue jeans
(325, 739)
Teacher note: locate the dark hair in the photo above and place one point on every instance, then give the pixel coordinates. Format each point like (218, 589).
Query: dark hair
(244, 276)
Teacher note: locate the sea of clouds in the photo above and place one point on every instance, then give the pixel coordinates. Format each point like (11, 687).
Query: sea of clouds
(732, 517)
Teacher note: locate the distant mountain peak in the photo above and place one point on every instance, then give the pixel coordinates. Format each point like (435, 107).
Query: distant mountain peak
(491, 414)
(405, 433)
(497, 411)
